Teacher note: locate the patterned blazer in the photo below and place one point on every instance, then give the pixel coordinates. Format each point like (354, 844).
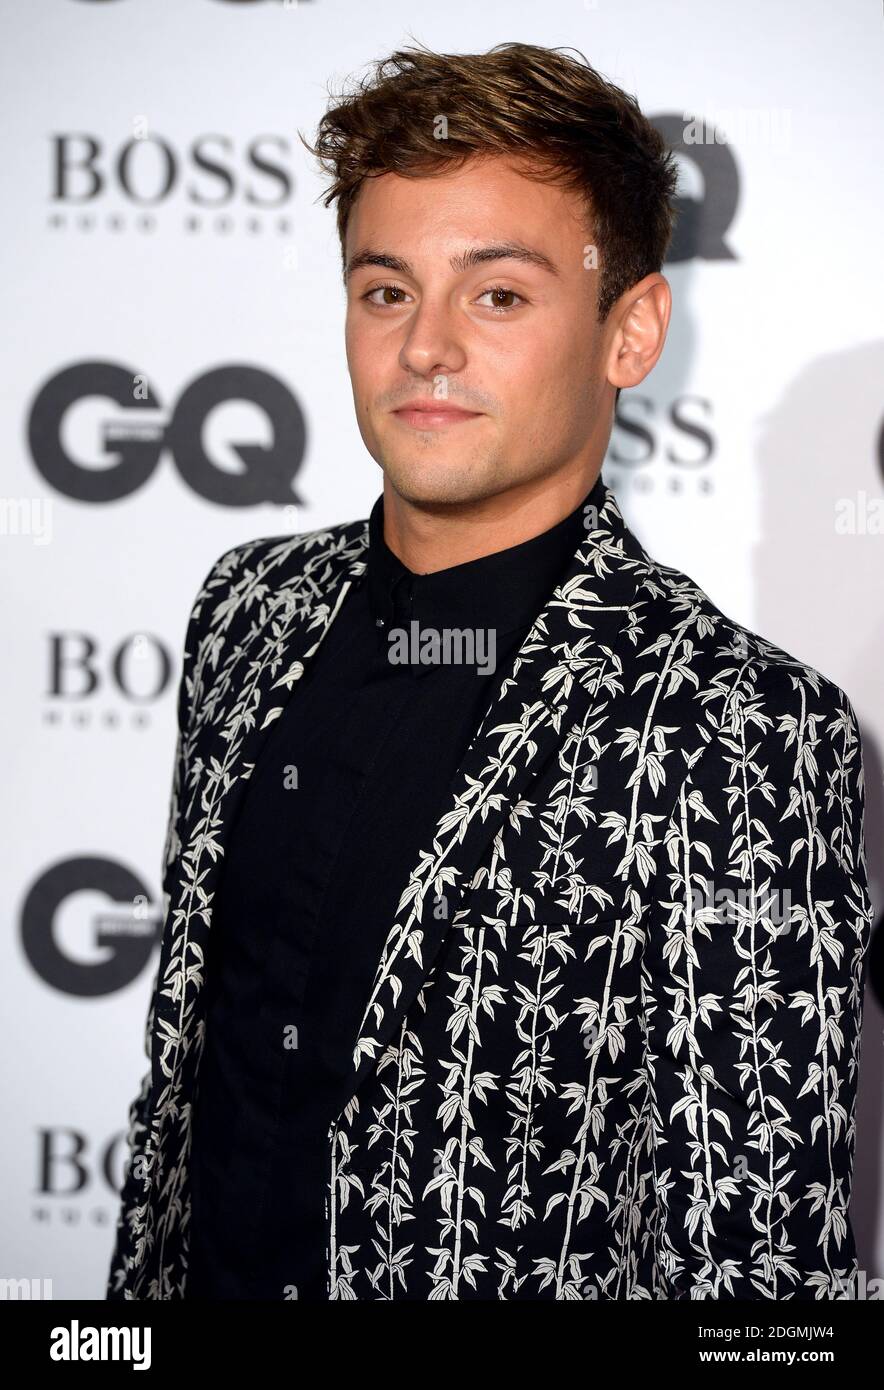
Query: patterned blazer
(612, 1042)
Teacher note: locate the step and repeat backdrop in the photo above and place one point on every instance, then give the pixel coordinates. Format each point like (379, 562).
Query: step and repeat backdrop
(174, 382)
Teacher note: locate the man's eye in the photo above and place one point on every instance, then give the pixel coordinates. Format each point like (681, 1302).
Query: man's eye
(498, 292)
(384, 289)
(395, 294)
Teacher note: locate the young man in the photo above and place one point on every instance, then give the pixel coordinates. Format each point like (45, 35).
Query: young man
(517, 907)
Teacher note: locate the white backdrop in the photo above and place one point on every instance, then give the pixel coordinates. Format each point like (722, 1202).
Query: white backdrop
(162, 223)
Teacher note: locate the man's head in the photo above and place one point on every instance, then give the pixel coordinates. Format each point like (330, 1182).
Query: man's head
(503, 220)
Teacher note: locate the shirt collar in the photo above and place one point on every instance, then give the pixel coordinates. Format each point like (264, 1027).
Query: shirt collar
(505, 590)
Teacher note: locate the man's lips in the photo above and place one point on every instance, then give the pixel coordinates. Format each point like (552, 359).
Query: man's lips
(433, 415)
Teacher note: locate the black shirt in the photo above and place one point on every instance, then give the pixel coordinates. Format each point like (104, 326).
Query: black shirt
(346, 792)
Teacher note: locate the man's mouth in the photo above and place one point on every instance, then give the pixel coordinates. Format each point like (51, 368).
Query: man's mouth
(433, 415)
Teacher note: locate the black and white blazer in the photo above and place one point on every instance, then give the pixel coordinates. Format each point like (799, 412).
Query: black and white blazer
(612, 1042)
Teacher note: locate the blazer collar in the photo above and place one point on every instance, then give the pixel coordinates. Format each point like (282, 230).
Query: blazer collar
(502, 591)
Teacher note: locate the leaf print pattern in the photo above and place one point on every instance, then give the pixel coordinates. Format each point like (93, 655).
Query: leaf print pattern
(760, 1079)
(612, 1043)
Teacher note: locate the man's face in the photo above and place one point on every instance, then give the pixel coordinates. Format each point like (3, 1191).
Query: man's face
(512, 341)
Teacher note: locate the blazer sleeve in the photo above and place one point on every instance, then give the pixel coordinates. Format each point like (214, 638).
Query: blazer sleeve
(132, 1208)
(753, 987)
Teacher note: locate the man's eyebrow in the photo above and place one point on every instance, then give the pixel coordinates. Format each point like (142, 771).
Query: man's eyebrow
(477, 255)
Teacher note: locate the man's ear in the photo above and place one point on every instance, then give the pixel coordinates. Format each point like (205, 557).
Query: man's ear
(638, 324)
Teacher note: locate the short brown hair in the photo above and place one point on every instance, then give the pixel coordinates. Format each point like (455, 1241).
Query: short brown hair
(532, 103)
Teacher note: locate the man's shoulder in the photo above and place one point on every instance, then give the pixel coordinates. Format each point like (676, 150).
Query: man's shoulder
(727, 655)
(770, 723)
(251, 568)
(289, 553)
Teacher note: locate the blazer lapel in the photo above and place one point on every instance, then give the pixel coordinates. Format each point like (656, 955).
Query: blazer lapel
(574, 645)
(277, 616)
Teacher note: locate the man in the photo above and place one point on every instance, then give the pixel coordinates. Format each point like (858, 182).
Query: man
(517, 908)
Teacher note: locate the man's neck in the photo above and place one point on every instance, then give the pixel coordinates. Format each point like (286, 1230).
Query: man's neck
(436, 537)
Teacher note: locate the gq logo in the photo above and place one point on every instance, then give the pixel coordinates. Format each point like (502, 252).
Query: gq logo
(702, 223)
(133, 444)
(120, 936)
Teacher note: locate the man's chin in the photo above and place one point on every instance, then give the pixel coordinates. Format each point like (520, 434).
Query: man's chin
(437, 485)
